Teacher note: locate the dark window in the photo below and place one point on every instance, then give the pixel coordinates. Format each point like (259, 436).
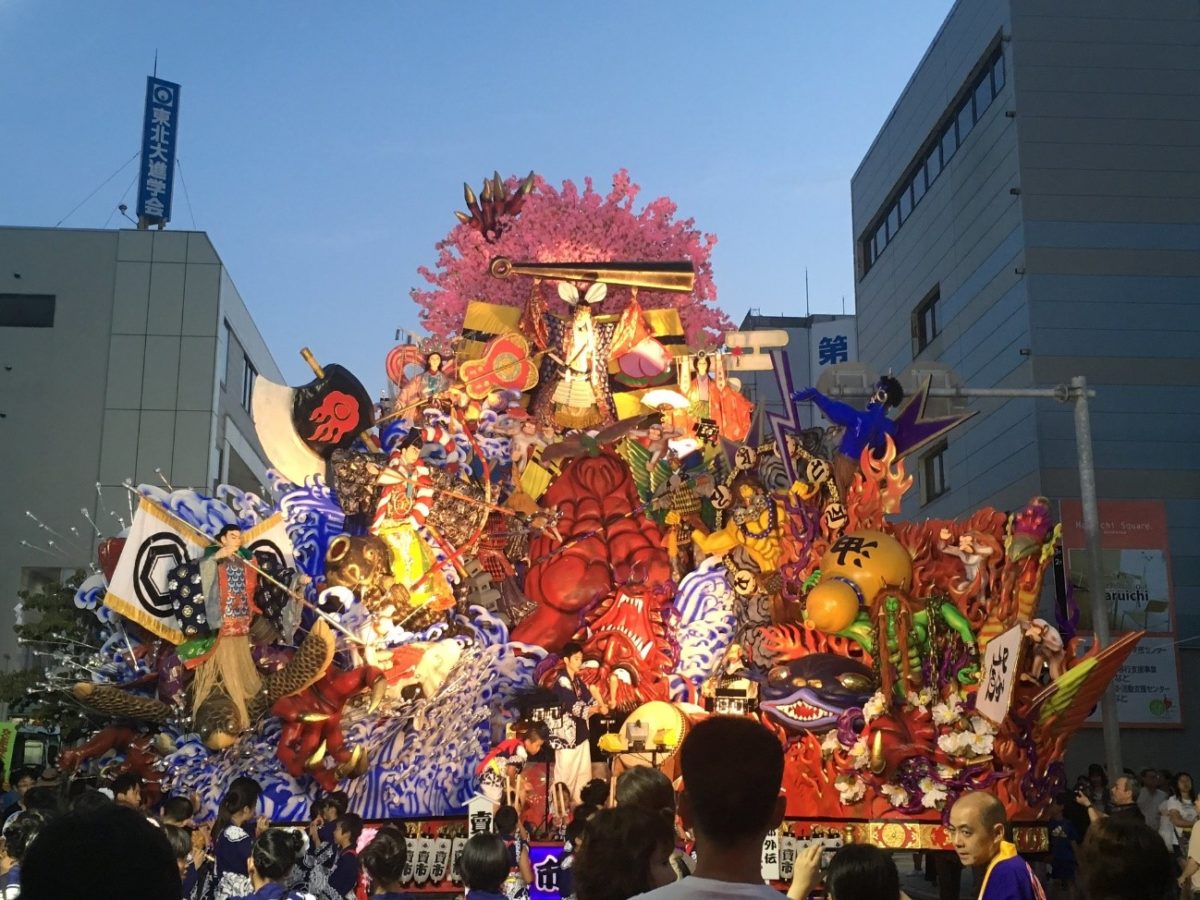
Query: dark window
(933, 164)
(918, 185)
(949, 144)
(223, 352)
(27, 310)
(893, 222)
(933, 473)
(964, 120)
(983, 95)
(925, 320)
(249, 375)
(905, 204)
(998, 74)
(868, 249)
(880, 240)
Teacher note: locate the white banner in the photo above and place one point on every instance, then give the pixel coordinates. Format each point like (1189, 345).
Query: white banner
(1002, 659)
(1147, 685)
(157, 543)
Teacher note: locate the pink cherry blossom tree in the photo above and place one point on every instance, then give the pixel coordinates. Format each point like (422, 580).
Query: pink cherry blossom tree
(566, 225)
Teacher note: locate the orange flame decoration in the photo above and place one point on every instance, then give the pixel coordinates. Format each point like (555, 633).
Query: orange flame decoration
(878, 488)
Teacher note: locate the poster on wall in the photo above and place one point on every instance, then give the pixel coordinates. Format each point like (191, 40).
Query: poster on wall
(1134, 564)
(1146, 686)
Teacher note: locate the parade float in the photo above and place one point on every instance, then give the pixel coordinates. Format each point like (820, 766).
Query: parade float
(566, 456)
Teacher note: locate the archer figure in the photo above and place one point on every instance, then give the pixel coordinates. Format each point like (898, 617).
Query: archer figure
(865, 428)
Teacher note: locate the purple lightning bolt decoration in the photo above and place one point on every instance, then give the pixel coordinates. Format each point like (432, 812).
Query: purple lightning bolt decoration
(914, 431)
(788, 422)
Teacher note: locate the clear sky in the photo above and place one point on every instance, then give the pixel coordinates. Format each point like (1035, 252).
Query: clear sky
(324, 145)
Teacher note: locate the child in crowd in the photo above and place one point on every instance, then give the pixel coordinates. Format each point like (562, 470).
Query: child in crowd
(177, 810)
(384, 859)
(234, 829)
(271, 862)
(347, 829)
(1064, 844)
(180, 840)
(484, 866)
(18, 835)
(520, 870)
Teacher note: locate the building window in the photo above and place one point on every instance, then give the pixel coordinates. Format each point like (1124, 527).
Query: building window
(933, 473)
(926, 322)
(27, 310)
(971, 102)
(905, 206)
(225, 337)
(249, 375)
(918, 186)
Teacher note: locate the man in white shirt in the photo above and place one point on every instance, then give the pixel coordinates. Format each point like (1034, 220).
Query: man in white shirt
(1151, 797)
(732, 771)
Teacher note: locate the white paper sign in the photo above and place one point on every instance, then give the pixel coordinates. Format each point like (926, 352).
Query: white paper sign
(770, 856)
(1000, 671)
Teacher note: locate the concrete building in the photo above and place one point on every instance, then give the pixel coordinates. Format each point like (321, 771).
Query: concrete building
(815, 342)
(123, 353)
(1030, 211)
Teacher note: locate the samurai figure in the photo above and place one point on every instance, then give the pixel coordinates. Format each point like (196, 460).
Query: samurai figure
(575, 400)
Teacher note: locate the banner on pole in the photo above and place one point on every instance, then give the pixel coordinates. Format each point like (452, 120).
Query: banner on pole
(159, 130)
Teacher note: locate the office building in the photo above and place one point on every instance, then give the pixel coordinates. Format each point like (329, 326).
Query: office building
(1029, 212)
(125, 355)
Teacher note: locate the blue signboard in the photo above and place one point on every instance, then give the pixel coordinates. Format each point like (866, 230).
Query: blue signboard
(159, 130)
(547, 871)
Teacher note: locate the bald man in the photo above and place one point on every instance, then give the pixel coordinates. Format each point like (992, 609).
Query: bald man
(978, 825)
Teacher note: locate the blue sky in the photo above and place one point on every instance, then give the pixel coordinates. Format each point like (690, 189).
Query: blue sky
(324, 145)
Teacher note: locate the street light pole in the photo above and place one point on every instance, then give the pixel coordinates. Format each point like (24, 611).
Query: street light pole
(1091, 530)
(1077, 394)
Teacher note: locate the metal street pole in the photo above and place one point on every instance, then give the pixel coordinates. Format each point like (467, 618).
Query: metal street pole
(1091, 531)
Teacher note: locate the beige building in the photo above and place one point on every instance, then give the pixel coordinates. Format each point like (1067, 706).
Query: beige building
(122, 353)
(1030, 211)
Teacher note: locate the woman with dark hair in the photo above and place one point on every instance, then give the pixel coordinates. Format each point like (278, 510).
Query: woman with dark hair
(270, 865)
(234, 830)
(18, 835)
(862, 872)
(625, 851)
(1178, 814)
(1123, 859)
(648, 788)
(384, 859)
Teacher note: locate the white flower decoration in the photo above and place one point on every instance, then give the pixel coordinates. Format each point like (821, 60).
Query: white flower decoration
(932, 793)
(897, 796)
(830, 742)
(946, 713)
(858, 754)
(875, 707)
(850, 788)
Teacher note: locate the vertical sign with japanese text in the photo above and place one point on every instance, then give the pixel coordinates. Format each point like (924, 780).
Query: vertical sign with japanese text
(830, 344)
(159, 131)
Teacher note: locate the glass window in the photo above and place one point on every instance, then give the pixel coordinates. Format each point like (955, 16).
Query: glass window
(893, 221)
(249, 375)
(983, 96)
(964, 120)
(933, 470)
(918, 186)
(27, 310)
(998, 75)
(223, 351)
(868, 249)
(905, 203)
(933, 164)
(949, 144)
(925, 320)
(880, 239)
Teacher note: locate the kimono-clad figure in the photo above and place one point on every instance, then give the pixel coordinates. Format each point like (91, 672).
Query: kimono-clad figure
(224, 662)
(576, 404)
(427, 386)
(710, 396)
(404, 505)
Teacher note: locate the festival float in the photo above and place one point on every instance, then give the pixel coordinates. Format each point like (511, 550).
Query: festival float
(567, 457)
